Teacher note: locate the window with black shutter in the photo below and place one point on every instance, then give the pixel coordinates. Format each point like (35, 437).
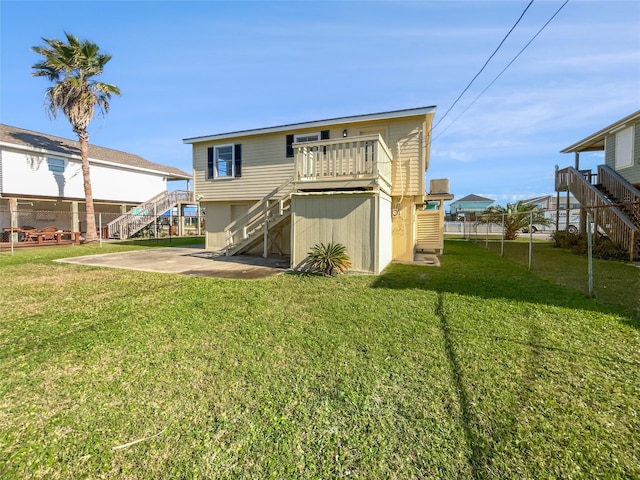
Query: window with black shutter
(224, 161)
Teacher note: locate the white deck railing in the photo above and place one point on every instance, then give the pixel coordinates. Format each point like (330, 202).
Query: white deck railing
(346, 158)
(142, 215)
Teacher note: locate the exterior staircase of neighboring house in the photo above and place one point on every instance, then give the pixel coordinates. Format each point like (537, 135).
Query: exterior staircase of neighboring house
(261, 222)
(614, 202)
(146, 213)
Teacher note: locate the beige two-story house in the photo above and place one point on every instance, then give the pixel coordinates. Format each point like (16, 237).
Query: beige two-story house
(357, 180)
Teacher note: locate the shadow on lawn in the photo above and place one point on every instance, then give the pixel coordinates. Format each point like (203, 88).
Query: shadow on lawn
(484, 276)
(494, 278)
(483, 444)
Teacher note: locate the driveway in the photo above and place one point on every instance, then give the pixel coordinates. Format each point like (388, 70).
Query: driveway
(188, 261)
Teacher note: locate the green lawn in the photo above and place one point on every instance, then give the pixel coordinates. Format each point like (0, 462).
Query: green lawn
(477, 369)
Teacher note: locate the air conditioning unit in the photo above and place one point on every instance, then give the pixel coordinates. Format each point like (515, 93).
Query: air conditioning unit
(439, 185)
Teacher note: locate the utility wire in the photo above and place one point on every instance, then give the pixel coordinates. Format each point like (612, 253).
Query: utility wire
(504, 69)
(484, 66)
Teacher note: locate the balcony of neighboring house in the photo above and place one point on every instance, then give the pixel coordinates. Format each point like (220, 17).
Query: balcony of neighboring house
(354, 163)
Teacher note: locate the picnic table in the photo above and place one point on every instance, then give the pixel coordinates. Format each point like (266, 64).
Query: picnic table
(43, 237)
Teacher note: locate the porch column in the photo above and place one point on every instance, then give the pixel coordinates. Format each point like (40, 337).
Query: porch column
(13, 212)
(577, 160)
(75, 218)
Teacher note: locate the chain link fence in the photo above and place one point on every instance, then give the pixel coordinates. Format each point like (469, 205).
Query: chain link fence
(609, 232)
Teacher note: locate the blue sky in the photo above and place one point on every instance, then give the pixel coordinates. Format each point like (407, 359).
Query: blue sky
(191, 68)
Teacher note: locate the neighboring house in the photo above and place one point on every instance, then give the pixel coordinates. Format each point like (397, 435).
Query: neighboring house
(612, 193)
(470, 205)
(552, 202)
(358, 180)
(555, 211)
(42, 173)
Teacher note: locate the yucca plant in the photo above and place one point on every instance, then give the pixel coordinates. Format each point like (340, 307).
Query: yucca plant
(330, 259)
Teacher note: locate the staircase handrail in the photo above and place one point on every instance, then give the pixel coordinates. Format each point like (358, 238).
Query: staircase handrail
(258, 207)
(622, 190)
(249, 232)
(142, 215)
(611, 219)
(280, 197)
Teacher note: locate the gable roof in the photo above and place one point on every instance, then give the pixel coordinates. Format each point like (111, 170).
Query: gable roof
(474, 198)
(596, 141)
(317, 123)
(41, 142)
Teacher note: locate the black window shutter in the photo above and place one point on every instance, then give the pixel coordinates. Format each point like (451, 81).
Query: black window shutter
(290, 146)
(238, 160)
(210, 162)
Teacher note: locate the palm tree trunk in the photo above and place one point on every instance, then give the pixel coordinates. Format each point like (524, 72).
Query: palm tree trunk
(91, 234)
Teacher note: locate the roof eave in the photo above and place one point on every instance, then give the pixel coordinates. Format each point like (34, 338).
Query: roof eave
(317, 123)
(98, 161)
(595, 142)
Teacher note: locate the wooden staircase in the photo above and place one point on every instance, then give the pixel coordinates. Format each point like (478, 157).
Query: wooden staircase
(259, 224)
(146, 213)
(613, 202)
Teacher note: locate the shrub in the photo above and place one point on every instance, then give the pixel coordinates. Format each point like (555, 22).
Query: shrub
(603, 247)
(330, 259)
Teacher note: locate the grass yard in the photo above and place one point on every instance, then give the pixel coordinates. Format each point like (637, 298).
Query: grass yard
(477, 369)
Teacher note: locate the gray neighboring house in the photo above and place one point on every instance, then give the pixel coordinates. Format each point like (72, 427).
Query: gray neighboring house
(612, 193)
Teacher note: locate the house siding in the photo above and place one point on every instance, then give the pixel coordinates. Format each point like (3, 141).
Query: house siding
(632, 173)
(385, 242)
(349, 219)
(265, 165)
(406, 140)
(29, 175)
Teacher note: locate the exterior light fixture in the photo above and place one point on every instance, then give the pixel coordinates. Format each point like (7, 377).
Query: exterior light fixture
(344, 132)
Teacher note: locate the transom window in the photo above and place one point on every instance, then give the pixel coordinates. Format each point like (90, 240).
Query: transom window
(223, 164)
(307, 137)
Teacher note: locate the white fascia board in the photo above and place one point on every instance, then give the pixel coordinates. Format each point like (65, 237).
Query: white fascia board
(44, 151)
(318, 123)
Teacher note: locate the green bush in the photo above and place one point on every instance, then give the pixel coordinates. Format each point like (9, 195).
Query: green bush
(577, 243)
(330, 259)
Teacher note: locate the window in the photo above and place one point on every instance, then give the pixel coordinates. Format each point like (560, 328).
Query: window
(224, 161)
(304, 137)
(56, 165)
(223, 165)
(624, 148)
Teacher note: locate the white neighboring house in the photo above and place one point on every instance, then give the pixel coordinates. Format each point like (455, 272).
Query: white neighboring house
(42, 173)
(557, 208)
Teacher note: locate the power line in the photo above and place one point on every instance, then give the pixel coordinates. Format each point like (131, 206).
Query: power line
(484, 66)
(504, 69)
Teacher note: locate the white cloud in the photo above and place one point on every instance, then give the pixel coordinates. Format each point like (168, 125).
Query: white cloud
(451, 155)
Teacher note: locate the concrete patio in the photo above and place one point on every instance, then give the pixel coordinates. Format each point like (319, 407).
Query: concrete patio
(188, 261)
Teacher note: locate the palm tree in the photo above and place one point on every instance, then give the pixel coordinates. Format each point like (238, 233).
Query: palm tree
(514, 217)
(71, 67)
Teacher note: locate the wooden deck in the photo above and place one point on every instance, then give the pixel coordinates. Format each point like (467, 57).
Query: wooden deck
(21, 245)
